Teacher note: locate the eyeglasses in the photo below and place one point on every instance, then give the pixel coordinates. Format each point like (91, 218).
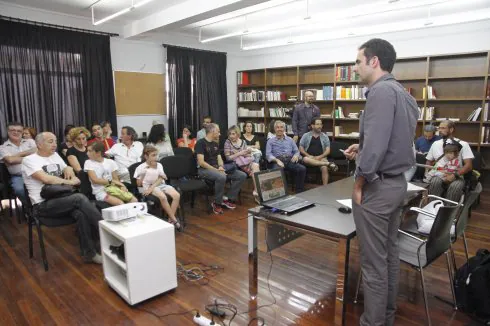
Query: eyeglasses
(16, 130)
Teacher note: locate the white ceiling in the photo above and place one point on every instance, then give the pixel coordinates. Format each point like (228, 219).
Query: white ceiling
(285, 20)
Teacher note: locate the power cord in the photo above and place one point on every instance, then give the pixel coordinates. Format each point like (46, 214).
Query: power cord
(257, 318)
(196, 271)
(167, 315)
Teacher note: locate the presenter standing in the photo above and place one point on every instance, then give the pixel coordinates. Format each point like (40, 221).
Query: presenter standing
(384, 153)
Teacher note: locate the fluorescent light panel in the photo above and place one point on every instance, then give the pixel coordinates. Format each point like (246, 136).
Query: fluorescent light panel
(353, 12)
(120, 12)
(445, 20)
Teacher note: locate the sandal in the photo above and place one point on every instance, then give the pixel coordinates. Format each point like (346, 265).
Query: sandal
(176, 224)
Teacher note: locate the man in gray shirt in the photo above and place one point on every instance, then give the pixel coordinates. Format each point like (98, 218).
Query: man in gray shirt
(384, 153)
(302, 115)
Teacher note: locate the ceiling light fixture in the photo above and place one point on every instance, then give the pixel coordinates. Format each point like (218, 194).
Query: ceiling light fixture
(459, 18)
(324, 19)
(119, 13)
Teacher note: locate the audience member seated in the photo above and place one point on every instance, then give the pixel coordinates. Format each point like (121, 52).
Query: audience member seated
(236, 150)
(66, 144)
(251, 140)
(12, 153)
(102, 173)
(77, 154)
(448, 163)
(107, 131)
(29, 133)
(187, 140)
(423, 143)
(151, 177)
(271, 132)
(281, 151)
(98, 136)
(211, 167)
(161, 141)
(451, 186)
(47, 168)
(126, 153)
(315, 147)
(202, 133)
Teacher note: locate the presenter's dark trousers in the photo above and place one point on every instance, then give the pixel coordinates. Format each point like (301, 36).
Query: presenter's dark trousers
(377, 220)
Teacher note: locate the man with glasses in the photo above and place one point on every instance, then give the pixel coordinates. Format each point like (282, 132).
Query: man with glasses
(12, 152)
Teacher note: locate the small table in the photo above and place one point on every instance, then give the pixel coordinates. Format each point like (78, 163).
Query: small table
(149, 268)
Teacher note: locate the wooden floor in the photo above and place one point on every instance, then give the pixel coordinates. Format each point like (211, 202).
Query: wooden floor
(302, 278)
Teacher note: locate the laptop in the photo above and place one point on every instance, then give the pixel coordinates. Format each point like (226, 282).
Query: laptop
(271, 187)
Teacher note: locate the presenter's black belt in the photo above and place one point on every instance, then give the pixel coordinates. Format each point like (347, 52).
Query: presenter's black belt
(387, 176)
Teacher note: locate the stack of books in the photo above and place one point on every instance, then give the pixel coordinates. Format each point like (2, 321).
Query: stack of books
(280, 112)
(276, 96)
(252, 96)
(429, 92)
(427, 113)
(353, 92)
(346, 73)
(242, 78)
(244, 112)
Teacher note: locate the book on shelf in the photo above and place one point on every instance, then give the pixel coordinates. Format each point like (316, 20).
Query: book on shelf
(276, 96)
(280, 112)
(325, 116)
(485, 135)
(338, 130)
(243, 78)
(429, 93)
(324, 94)
(450, 119)
(346, 73)
(339, 113)
(251, 96)
(426, 113)
(485, 112)
(354, 92)
(475, 115)
(244, 112)
(259, 127)
(488, 90)
(409, 90)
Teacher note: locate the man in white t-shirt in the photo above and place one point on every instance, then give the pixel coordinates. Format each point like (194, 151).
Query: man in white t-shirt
(452, 185)
(12, 152)
(126, 153)
(46, 167)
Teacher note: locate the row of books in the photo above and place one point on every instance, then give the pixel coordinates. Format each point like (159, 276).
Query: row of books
(252, 96)
(426, 113)
(485, 133)
(259, 127)
(244, 112)
(324, 94)
(429, 92)
(276, 96)
(353, 92)
(339, 113)
(475, 115)
(243, 78)
(346, 73)
(280, 112)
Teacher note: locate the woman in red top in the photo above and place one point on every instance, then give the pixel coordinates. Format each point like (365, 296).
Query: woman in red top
(187, 140)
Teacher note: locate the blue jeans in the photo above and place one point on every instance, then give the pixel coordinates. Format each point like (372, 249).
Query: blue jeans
(17, 183)
(237, 178)
(299, 171)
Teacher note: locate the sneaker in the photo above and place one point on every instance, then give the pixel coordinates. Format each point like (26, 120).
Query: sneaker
(97, 259)
(217, 208)
(228, 204)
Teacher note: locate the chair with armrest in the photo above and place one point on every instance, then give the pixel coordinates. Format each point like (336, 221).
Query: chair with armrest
(337, 157)
(151, 201)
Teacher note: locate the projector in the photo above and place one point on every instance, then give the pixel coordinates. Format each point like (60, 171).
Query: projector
(122, 212)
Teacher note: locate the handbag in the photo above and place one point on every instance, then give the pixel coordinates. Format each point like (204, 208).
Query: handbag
(244, 160)
(424, 222)
(230, 167)
(56, 191)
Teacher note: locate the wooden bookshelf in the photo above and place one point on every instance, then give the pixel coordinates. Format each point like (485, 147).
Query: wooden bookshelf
(460, 83)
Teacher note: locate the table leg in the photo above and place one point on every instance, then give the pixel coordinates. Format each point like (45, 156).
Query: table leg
(342, 278)
(253, 256)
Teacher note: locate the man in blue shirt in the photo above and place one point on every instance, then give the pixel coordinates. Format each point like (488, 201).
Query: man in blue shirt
(282, 151)
(423, 143)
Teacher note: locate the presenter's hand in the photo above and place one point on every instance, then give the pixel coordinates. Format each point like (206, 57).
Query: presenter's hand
(351, 151)
(279, 163)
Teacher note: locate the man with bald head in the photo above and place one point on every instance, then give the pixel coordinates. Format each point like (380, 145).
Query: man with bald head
(46, 167)
(303, 114)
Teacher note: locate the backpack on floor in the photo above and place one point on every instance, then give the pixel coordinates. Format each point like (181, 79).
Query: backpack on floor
(472, 285)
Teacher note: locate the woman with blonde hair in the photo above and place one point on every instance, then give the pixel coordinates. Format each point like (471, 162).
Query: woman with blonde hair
(77, 154)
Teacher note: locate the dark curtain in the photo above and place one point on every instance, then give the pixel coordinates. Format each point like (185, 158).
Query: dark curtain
(51, 77)
(197, 88)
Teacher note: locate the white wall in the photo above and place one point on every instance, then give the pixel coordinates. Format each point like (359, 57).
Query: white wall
(470, 37)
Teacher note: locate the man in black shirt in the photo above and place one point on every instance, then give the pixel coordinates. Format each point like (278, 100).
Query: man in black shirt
(315, 146)
(211, 167)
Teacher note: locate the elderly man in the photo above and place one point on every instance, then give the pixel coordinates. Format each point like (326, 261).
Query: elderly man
(302, 115)
(126, 153)
(282, 151)
(211, 167)
(423, 143)
(98, 135)
(12, 152)
(46, 167)
(452, 185)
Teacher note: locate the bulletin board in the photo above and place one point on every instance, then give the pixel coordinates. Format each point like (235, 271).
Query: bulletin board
(139, 93)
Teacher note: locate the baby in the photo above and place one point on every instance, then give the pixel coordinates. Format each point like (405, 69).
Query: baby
(446, 164)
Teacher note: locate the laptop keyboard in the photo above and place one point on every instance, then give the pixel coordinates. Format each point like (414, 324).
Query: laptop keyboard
(286, 202)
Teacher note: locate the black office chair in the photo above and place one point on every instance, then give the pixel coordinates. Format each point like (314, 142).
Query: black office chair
(180, 171)
(337, 157)
(32, 219)
(8, 192)
(86, 189)
(420, 171)
(153, 203)
(183, 151)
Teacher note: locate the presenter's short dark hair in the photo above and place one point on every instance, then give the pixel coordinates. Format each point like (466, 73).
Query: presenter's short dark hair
(382, 49)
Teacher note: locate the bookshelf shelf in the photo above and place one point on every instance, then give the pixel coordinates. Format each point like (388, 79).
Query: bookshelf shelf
(285, 118)
(461, 83)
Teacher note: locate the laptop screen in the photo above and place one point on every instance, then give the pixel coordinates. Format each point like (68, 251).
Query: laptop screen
(271, 184)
